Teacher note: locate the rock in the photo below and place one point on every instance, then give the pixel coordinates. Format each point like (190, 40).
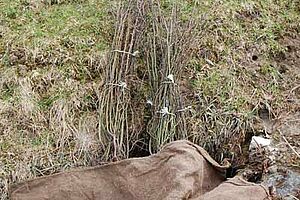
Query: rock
(259, 142)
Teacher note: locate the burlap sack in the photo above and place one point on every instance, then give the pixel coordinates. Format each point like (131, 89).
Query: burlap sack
(181, 170)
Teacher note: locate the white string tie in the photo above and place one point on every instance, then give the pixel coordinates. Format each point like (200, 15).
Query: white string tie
(185, 109)
(165, 111)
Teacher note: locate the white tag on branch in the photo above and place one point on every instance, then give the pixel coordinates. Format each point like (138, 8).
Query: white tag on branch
(259, 142)
(165, 111)
(123, 84)
(149, 102)
(136, 53)
(171, 78)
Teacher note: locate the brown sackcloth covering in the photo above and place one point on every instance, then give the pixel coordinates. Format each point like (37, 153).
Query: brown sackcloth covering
(181, 170)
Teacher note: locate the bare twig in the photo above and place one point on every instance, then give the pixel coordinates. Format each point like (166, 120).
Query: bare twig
(115, 111)
(291, 147)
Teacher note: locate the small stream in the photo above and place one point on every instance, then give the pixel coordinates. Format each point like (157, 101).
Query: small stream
(282, 181)
(285, 182)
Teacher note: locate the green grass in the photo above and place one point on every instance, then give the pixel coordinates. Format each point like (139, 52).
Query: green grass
(52, 57)
(49, 60)
(232, 85)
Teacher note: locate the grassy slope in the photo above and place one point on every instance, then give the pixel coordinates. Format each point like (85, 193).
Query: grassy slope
(50, 58)
(236, 74)
(50, 76)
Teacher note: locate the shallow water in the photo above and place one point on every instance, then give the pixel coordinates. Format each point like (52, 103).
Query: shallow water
(286, 183)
